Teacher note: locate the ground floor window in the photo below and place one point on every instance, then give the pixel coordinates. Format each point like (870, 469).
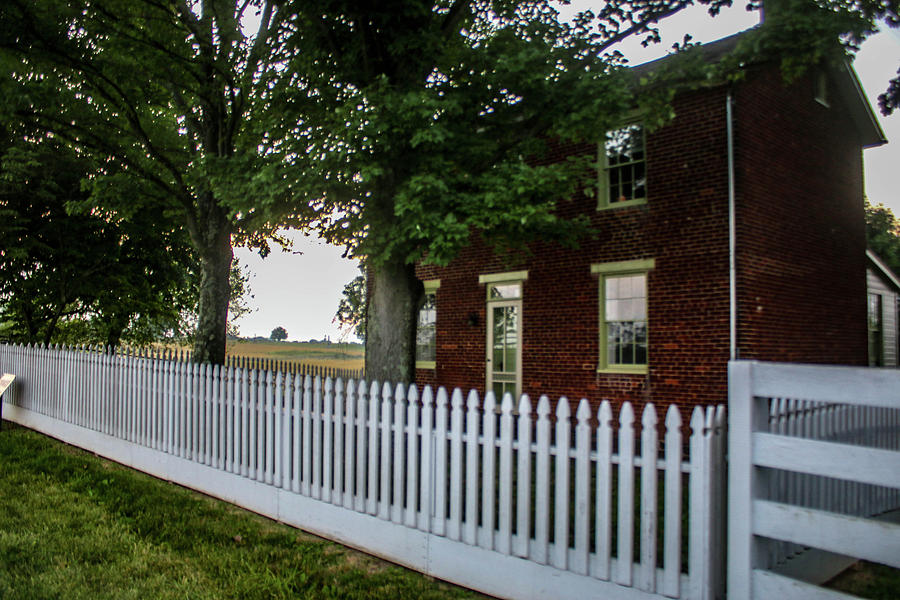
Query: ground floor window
(624, 332)
(426, 328)
(876, 332)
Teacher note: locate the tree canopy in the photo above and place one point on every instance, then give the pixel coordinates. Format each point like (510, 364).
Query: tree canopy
(167, 92)
(279, 334)
(400, 128)
(71, 270)
(429, 123)
(883, 234)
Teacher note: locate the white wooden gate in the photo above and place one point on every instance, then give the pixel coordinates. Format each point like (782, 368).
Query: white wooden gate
(814, 461)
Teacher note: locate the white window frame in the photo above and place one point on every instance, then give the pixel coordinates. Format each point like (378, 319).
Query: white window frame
(497, 279)
(603, 271)
(603, 186)
(431, 288)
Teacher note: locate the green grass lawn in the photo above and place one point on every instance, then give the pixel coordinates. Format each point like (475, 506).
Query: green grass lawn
(75, 526)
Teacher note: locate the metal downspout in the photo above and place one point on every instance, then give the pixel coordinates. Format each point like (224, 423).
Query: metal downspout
(732, 235)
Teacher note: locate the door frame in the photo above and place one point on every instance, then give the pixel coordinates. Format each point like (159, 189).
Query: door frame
(499, 279)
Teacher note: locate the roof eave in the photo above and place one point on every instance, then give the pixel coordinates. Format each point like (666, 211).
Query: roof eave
(883, 268)
(871, 134)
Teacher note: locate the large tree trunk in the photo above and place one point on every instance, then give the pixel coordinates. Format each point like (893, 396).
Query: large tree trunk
(215, 266)
(392, 316)
(115, 328)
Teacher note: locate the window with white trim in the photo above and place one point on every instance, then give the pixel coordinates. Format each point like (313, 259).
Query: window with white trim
(623, 168)
(624, 335)
(426, 328)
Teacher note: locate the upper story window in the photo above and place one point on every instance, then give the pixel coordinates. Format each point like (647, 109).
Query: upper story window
(623, 168)
(426, 328)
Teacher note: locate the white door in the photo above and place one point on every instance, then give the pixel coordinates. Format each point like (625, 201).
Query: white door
(504, 347)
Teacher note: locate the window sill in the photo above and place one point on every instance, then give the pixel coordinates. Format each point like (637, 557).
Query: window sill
(626, 204)
(426, 364)
(636, 370)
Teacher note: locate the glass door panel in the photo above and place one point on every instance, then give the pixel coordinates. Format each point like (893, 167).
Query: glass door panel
(504, 333)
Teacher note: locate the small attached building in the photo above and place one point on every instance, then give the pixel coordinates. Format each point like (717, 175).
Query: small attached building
(883, 287)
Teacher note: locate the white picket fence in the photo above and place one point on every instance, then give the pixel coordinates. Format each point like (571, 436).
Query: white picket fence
(814, 475)
(513, 502)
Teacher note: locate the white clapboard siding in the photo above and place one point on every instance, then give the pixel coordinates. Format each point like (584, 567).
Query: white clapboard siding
(517, 500)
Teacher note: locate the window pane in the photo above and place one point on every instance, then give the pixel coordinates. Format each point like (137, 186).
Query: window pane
(625, 314)
(505, 291)
(640, 355)
(612, 287)
(426, 330)
(640, 333)
(625, 164)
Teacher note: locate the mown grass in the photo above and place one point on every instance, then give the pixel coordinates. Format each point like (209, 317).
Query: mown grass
(75, 526)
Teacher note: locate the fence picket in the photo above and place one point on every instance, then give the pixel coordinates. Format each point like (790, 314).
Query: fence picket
(542, 484)
(523, 478)
(327, 439)
(269, 446)
(372, 450)
(672, 518)
(470, 530)
(581, 557)
(603, 495)
(625, 546)
(399, 458)
(427, 453)
(696, 504)
(504, 514)
(349, 446)
(413, 448)
(361, 420)
(559, 558)
(316, 458)
(439, 524)
(336, 488)
(262, 420)
(384, 504)
(488, 454)
(648, 499)
(454, 523)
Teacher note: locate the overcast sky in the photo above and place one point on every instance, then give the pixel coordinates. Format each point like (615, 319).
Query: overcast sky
(300, 290)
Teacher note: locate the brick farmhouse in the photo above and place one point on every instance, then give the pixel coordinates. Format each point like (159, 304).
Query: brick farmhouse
(651, 309)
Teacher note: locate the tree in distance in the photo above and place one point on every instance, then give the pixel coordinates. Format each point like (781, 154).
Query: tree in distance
(279, 334)
(351, 311)
(883, 234)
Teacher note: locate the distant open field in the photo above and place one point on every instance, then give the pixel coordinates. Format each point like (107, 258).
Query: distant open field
(340, 356)
(335, 356)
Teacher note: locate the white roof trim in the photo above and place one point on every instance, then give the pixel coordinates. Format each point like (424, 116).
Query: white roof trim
(885, 270)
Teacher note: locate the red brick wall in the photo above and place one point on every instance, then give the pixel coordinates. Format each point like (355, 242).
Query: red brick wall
(801, 236)
(684, 227)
